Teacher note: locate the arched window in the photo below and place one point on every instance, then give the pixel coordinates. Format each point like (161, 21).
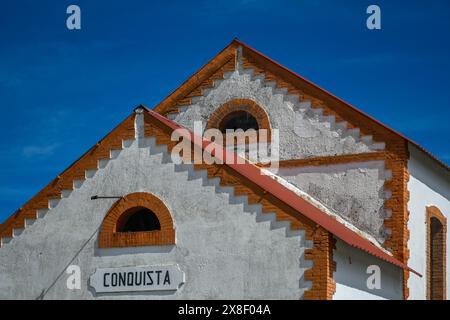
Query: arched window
(138, 219)
(242, 114)
(238, 120)
(436, 254)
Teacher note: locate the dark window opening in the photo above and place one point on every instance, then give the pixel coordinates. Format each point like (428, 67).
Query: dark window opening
(138, 219)
(238, 120)
(436, 252)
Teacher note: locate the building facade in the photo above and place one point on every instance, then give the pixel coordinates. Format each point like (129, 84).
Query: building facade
(349, 209)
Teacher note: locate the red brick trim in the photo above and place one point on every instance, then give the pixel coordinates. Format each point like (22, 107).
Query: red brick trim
(397, 161)
(396, 145)
(328, 160)
(397, 204)
(202, 79)
(241, 105)
(396, 151)
(434, 212)
(321, 275)
(109, 237)
(77, 171)
(321, 254)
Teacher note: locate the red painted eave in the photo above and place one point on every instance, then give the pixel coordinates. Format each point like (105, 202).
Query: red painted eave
(253, 173)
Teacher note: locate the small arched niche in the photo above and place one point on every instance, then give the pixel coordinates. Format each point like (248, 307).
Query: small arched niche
(137, 219)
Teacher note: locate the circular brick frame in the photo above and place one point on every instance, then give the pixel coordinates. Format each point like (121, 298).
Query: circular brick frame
(241, 105)
(110, 238)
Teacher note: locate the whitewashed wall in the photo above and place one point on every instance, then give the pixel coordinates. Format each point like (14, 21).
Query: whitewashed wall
(302, 132)
(226, 248)
(355, 191)
(429, 184)
(351, 276)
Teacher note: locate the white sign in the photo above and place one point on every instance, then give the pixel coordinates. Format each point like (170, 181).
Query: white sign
(142, 278)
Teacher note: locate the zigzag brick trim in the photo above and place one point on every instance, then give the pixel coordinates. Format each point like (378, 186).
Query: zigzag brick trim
(109, 237)
(396, 146)
(396, 151)
(321, 276)
(77, 171)
(321, 273)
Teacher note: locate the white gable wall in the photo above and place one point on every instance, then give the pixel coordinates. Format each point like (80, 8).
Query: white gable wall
(303, 133)
(428, 185)
(226, 248)
(356, 192)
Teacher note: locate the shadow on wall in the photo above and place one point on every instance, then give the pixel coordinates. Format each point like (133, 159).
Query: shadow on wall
(351, 275)
(132, 250)
(126, 295)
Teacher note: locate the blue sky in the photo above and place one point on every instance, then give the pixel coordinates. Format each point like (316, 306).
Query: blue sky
(61, 91)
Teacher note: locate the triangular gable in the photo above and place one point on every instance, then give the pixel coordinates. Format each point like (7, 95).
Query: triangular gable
(239, 55)
(273, 188)
(227, 60)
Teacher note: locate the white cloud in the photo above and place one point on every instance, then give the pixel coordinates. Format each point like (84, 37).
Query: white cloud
(39, 151)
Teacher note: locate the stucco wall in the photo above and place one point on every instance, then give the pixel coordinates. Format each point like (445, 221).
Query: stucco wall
(224, 246)
(351, 276)
(428, 185)
(303, 132)
(355, 191)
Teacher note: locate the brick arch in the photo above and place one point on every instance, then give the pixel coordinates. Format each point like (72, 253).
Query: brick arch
(241, 105)
(436, 287)
(109, 237)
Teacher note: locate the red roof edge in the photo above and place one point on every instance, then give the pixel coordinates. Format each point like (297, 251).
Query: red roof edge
(253, 173)
(440, 162)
